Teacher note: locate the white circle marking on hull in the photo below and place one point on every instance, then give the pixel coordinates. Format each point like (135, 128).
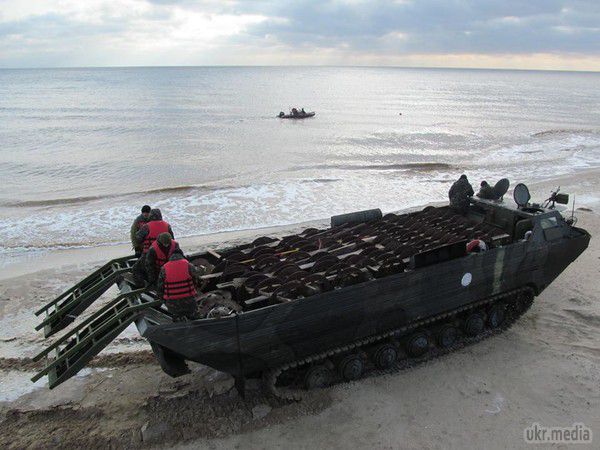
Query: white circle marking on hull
(466, 279)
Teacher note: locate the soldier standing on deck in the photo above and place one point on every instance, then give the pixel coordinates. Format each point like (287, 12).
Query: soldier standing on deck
(460, 194)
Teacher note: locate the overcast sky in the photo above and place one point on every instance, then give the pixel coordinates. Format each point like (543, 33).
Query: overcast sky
(543, 34)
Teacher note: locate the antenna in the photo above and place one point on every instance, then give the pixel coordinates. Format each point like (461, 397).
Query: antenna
(573, 220)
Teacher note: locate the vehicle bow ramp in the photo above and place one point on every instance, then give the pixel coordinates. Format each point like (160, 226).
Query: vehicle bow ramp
(77, 347)
(63, 310)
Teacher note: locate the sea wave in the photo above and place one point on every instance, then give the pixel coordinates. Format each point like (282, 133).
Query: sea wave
(8, 247)
(416, 166)
(185, 189)
(563, 131)
(415, 139)
(86, 199)
(320, 180)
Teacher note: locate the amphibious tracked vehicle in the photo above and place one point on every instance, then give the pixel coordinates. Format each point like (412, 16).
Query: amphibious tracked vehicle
(370, 293)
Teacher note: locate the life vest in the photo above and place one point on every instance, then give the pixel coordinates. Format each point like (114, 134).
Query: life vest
(178, 282)
(162, 258)
(155, 228)
(476, 246)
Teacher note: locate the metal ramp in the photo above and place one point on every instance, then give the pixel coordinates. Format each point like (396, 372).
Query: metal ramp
(76, 348)
(61, 311)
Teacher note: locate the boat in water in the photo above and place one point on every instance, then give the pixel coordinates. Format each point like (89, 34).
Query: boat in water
(369, 293)
(296, 114)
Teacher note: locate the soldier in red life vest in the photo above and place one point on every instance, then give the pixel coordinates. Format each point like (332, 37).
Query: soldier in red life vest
(139, 221)
(145, 237)
(150, 231)
(176, 286)
(158, 254)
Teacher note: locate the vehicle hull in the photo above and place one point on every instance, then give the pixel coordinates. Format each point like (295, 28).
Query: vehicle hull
(254, 341)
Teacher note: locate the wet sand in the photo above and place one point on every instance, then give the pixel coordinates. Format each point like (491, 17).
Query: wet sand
(545, 369)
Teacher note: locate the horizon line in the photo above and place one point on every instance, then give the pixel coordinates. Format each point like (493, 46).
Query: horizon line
(366, 66)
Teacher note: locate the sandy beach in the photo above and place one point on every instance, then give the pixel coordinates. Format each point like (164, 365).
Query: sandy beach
(544, 370)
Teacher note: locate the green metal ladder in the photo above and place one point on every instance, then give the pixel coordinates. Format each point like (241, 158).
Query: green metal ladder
(77, 347)
(63, 310)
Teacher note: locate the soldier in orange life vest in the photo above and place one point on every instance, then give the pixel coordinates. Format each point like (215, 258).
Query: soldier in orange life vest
(176, 286)
(150, 231)
(158, 254)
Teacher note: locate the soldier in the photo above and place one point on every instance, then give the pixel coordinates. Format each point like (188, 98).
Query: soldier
(144, 238)
(176, 286)
(459, 195)
(150, 231)
(158, 254)
(139, 221)
(486, 191)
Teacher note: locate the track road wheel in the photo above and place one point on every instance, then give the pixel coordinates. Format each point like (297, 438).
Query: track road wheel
(447, 336)
(385, 355)
(318, 376)
(351, 367)
(474, 324)
(418, 344)
(496, 315)
(523, 302)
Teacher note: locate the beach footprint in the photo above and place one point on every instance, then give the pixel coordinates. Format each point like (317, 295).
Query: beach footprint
(496, 405)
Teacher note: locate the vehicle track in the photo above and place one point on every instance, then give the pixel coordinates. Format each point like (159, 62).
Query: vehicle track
(517, 302)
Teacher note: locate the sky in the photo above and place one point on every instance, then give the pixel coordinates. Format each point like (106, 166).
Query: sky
(527, 34)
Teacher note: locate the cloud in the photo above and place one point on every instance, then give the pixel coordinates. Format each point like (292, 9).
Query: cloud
(441, 26)
(171, 32)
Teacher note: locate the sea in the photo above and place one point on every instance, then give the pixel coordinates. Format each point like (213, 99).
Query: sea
(81, 150)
